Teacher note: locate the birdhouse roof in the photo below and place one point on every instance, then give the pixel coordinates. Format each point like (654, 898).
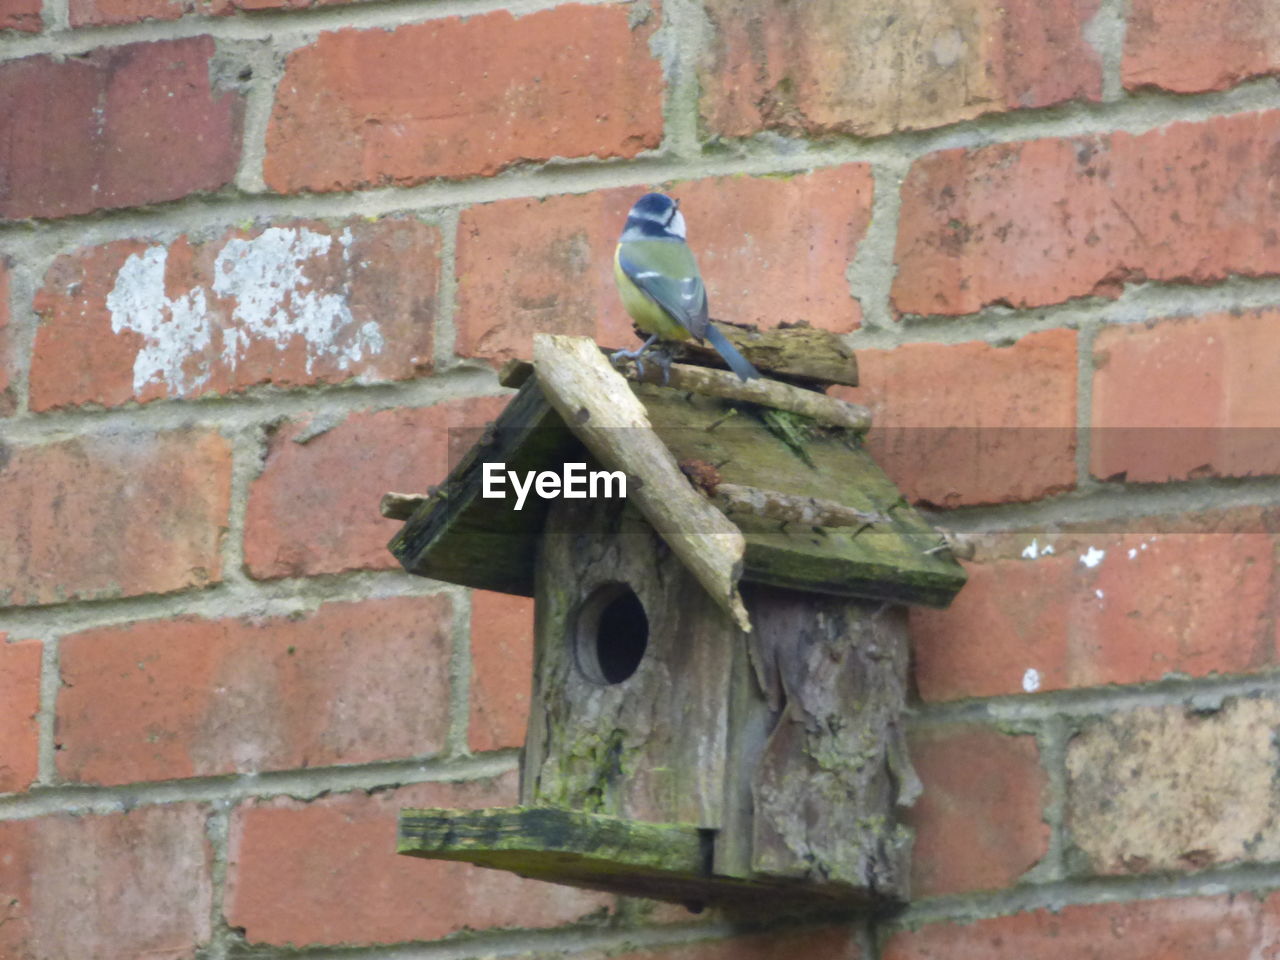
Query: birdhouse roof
(461, 537)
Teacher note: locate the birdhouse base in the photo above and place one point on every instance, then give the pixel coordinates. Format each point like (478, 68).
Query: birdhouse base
(660, 861)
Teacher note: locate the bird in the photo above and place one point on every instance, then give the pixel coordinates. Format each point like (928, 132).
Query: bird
(661, 287)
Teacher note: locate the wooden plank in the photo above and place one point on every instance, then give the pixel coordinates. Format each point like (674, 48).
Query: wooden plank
(829, 411)
(459, 537)
(884, 561)
(800, 353)
(598, 406)
(505, 833)
(653, 746)
(751, 719)
(660, 861)
(834, 771)
(484, 543)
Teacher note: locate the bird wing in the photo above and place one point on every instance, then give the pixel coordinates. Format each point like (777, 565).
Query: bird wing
(666, 272)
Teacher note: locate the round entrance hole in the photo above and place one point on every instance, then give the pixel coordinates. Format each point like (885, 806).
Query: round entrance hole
(611, 634)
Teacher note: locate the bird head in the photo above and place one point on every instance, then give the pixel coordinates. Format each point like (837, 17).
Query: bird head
(656, 214)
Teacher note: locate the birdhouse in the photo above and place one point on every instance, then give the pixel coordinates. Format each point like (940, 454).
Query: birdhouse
(721, 653)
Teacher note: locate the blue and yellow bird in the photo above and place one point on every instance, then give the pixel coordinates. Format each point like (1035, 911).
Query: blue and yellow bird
(660, 284)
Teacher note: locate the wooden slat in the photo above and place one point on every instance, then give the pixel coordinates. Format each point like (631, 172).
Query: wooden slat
(625, 749)
(484, 543)
(598, 406)
(457, 536)
(804, 354)
(660, 861)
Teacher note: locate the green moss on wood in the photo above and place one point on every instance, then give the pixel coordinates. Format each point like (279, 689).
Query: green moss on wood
(462, 538)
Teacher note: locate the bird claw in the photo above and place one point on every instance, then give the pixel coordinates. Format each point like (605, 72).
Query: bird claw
(637, 355)
(662, 357)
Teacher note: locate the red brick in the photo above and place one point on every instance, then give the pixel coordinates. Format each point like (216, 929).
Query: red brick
(1011, 617)
(575, 81)
(293, 304)
(1196, 928)
(1189, 46)
(501, 669)
(815, 68)
(114, 515)
(978, 824)
(20, 15)
(973, 423)
(326, 872)
(314, 508)
(8, 402)
(1043, 221)
(20, 695)
(114, 887)
(97, 13)
(120, 126)
(162, 699)
(823, 943)
(1150, 606)
(526, 266)
(1185, 398)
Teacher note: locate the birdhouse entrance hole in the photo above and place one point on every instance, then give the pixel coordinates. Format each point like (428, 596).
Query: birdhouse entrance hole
(612, 634)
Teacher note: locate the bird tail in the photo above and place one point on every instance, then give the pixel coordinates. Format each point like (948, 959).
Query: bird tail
(736, 361)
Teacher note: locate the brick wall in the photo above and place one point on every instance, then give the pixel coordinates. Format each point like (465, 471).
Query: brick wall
(258, 257)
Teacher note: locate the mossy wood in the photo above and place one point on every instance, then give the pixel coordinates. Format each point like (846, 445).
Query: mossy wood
(614, 425)
(784, 741)
(670, 752)
(652, 748)
(798, 354)
(595, 852)
(459, 537)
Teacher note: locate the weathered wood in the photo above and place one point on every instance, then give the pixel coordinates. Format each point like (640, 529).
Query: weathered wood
(735, 498)
(401, 506)
(511, 836)
(834, 769)
(885, 561)
(485, 543)
(800, 352)
(656, 860)
(597, 405)
(651, 747)
(461, 538)
(751, 720)
(769, 393)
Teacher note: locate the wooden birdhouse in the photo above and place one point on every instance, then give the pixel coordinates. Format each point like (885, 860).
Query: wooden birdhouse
(721, 655)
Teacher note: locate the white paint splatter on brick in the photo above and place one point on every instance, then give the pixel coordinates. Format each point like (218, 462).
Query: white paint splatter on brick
(1031, 680)
(173, 330)
(1030, 552)
(264, 277)
(1092, 557)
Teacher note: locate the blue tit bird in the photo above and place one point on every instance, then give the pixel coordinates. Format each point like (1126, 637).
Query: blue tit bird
(660, 284)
